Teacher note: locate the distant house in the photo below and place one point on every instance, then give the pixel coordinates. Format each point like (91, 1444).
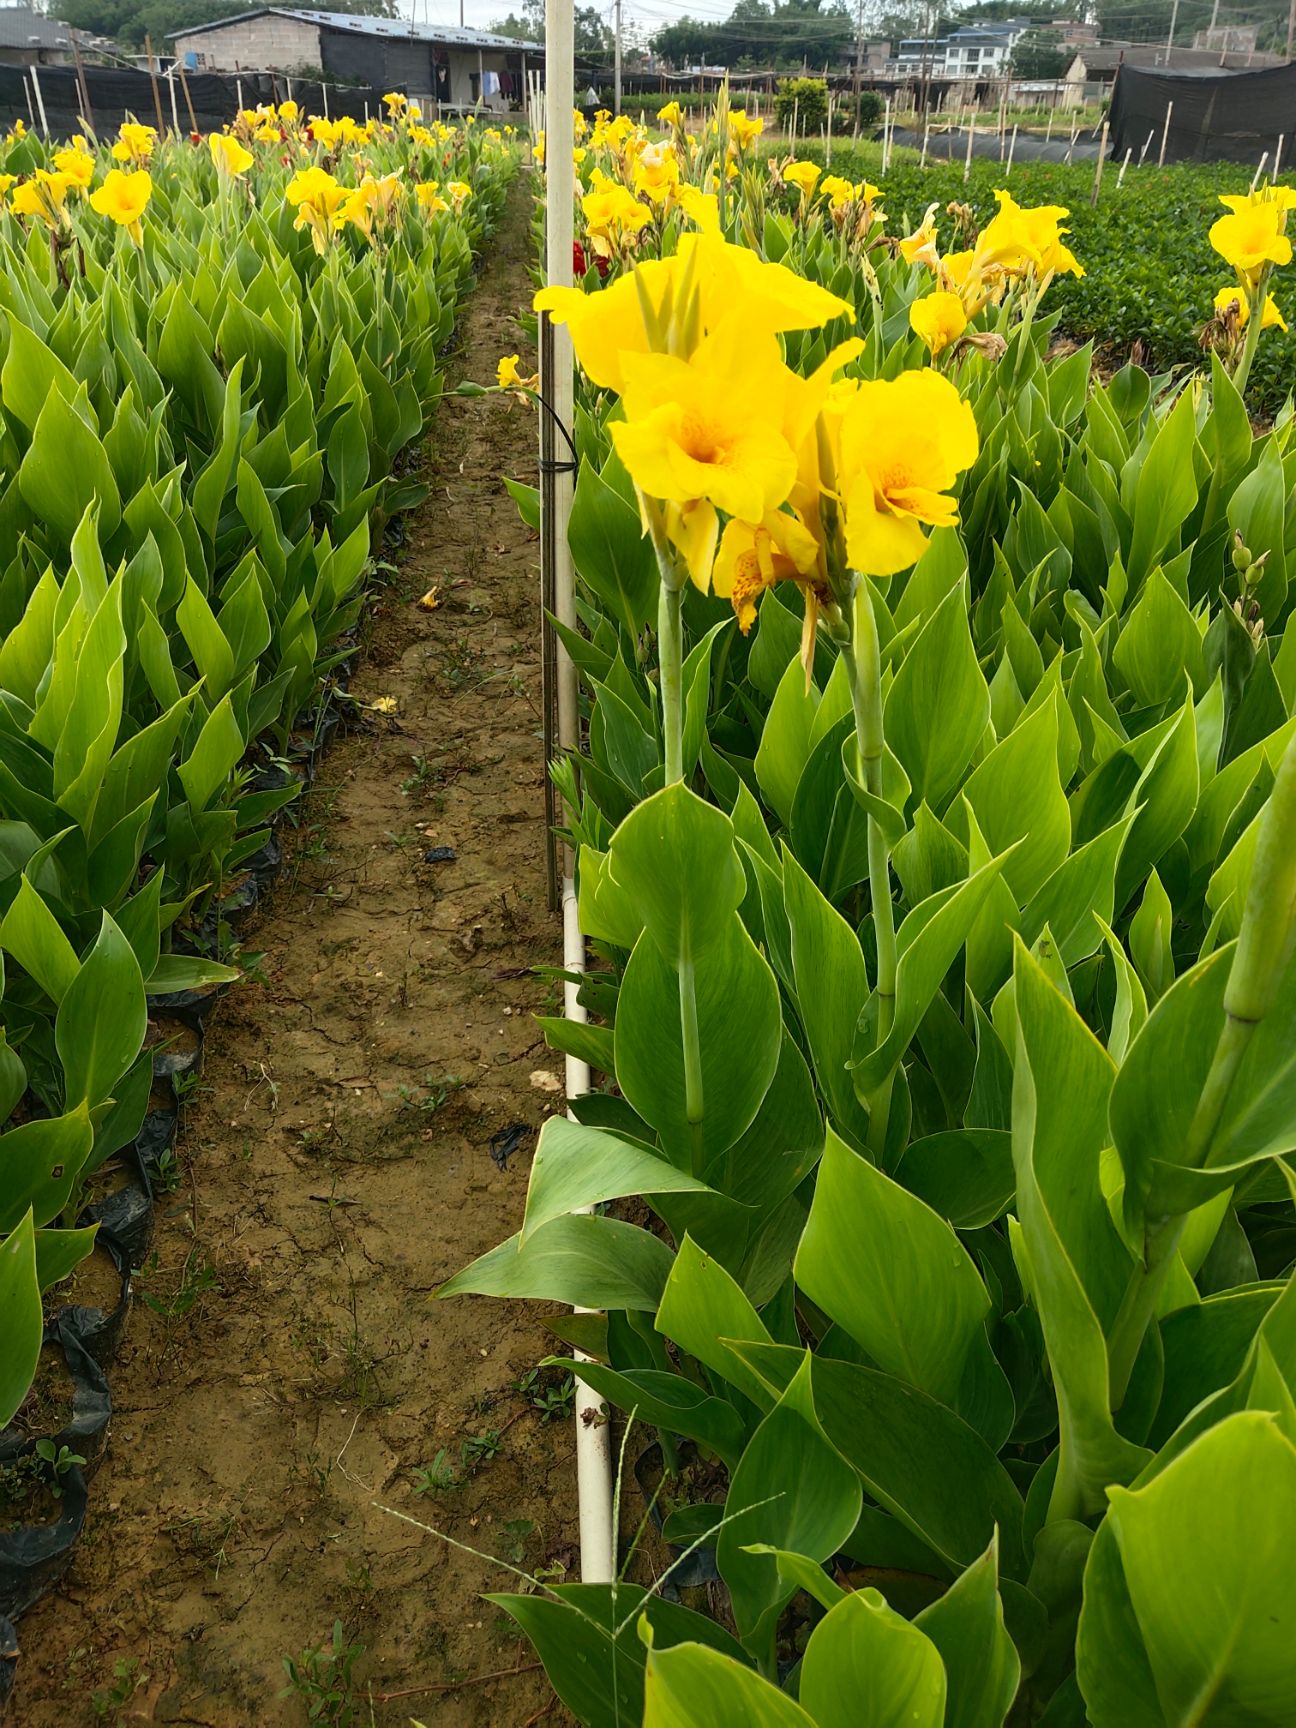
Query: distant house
(1090, 76)
(30, 38)
(436, 63)
(974, 51)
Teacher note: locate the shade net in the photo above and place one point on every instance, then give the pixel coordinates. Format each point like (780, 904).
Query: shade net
(1223, 117)
(114, 94)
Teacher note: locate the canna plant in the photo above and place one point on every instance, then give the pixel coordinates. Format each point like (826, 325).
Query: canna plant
(940, 885)
(200, 420)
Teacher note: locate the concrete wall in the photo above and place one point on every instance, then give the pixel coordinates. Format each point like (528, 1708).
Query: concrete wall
(267, 44)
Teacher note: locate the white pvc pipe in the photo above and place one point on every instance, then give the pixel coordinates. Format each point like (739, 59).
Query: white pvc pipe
(593, 1454)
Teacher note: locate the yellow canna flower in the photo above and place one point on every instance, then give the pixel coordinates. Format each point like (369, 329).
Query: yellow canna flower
(753, 557)
(288, 112)
(656, 172)
(701, 432)
(1020, 240)
(460, 192)
(123, 197)
(727, 281)
(228, 154)
(44, 197)
(77, 165)
(904, 441)
(6, 181)
(316, 196)
(395, 102)
(1281, 196)
(671, 115)
(428, 194)
(920, 246)
(803, 175)
(508, 377)
(613, 218)
(939, 319)
(1233, 302)
(744, 128)
(134, 142)
(1251, 238)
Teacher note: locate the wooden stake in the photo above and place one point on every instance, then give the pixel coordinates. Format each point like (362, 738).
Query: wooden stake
(184, 85)
(87, 112)
(175, 112)
(1255, 178)
(1165, 135)
(153, 79)
(1120, 178)
(40, 101)
(967, 164)
(1011, 148)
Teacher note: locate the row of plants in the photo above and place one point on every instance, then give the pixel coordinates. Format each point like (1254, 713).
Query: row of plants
(934, 820)
(1150, 276)
(213, 357)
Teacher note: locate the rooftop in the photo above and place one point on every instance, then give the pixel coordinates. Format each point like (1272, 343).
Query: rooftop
(20, 27)
(357, 24)
(1149, 56)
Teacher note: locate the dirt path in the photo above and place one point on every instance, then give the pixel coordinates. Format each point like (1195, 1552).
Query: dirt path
(339, 1166)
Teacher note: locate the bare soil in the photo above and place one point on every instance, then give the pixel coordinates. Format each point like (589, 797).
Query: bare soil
(292, 1373)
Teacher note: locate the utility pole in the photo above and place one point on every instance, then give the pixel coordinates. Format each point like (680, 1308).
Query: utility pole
(616, 76)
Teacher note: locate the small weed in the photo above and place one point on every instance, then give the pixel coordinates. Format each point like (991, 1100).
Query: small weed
(359, 1579)
(517, 1534)
(58, 1460)
(554, 1399)
(202, 1536)
(109, 1701)
(424, 780)
(480, 1448)
(323, 1680)
(437, 1477)
(165, 1174)
(188, 1085)
(428, 1098)
(196, 1279)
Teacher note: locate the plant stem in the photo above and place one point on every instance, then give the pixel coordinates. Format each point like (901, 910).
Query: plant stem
(691, 1042)
(863, 656)
(1262, 955)
(670, 659)
(1256, 305)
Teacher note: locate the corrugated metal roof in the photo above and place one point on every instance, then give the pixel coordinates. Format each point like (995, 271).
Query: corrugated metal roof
(22, 28)
(358, 24)
(1147, 56)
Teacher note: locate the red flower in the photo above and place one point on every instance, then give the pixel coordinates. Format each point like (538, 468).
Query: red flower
(579, 265)
(195, 137)
(601, 265)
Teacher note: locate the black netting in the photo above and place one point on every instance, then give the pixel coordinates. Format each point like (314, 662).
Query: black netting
(116, 93)
(1220, 117)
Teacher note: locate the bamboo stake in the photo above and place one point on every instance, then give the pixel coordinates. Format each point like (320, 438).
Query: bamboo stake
(1098, 166)
(40, 102)
(1278, 155)
(238, 93)
(926, 132)
(967, 163)
(1120, 178)
(1147, 145)
(1255, 178)
(87, 112)
(1011, 148)
(175, 112)
(324, 97)
(1165, 135)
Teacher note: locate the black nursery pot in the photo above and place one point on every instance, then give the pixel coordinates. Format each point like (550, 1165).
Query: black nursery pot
(34, 1558)
(100, 1330)
(127, 1212)
(8, 1660)
(86, 1430)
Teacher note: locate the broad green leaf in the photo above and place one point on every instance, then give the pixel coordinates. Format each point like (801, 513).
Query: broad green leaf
(831, 988)
(892, 1274)
(785, 741)
(574, 1168)
(1078, 1267)
(864, 1663)
(596, 1669)
(981, 1663)
(42, 1161)
(102, 1019)
(175, 972)
(670, 1402)
(675, 857)
(31, 933)
(791, 1490)
(938, 703)
(20, 1303)
(1159, 645)
(583, 1261)
(1205, 1552)
(690, 1685)
(703, 1310)
(1019, 803)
